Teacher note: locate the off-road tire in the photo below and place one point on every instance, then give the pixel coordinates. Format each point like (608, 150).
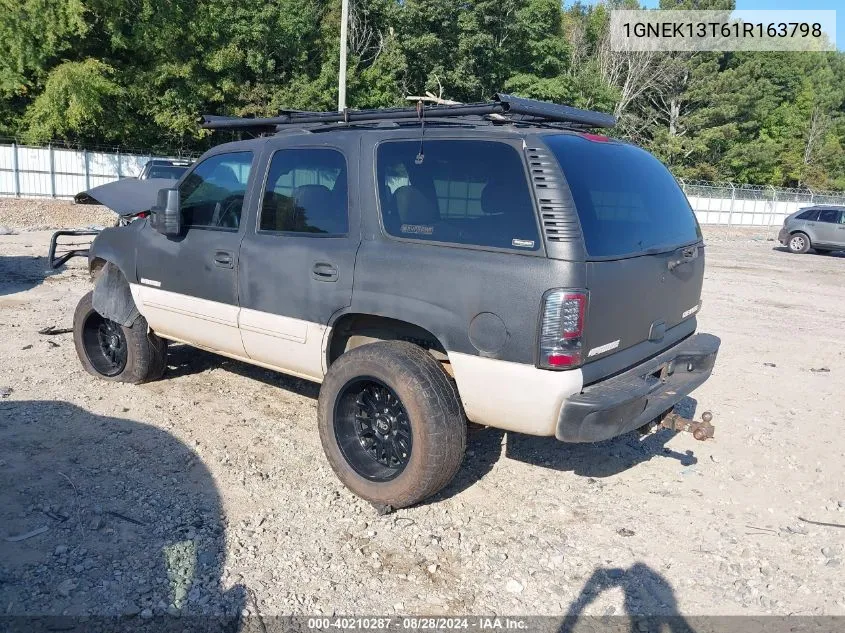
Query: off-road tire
(146, 353)
(799, 243)
(430, 398)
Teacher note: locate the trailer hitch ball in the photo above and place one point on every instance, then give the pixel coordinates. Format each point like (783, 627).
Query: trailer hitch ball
(700, 430)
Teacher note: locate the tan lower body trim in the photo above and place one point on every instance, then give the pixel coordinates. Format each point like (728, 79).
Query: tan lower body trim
(513, 396)
(250, 361)
(280, 341)
(207, 324)
(291, 346)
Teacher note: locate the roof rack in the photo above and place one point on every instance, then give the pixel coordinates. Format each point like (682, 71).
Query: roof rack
(529, 111)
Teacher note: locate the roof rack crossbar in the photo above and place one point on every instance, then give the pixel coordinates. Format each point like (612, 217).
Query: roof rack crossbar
(502, 104)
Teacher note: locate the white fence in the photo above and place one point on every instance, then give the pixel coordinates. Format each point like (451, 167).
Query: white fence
(751, 205)
(57, 172)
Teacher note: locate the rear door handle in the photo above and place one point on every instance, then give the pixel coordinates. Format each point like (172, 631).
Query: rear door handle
(224, 259)
(323, 271)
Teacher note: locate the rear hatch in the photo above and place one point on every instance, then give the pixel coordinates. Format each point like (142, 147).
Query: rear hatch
(645, 257)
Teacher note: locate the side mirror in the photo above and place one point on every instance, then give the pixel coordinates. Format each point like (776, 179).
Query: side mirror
(167, 214)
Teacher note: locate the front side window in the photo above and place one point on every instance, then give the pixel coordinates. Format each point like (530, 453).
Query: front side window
(306, 192)
(829, 215)
(212, 195)
(462, 192)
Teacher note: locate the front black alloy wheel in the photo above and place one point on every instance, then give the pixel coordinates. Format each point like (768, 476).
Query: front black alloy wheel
(116, 352)
(105, 344)
(372, 429)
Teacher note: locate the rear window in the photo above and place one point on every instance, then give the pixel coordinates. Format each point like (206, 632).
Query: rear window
(627, 201)
(460, 192)
(165, 171)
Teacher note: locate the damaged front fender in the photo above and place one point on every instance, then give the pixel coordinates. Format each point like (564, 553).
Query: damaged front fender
(113, 297)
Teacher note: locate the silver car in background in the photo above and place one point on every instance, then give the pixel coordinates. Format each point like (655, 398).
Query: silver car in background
(821, 228)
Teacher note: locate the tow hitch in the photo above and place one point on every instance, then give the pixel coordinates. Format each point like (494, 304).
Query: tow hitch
(700, 430)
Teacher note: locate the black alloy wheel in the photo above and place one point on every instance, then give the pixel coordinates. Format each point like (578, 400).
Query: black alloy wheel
(372, 429)
(105, 344)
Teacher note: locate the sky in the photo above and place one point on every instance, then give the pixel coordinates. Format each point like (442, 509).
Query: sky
(790, 4)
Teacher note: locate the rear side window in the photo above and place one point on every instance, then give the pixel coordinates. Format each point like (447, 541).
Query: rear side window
(809, 214)
(627, 201)
(306, 192)
(829, 215)
(461, 192)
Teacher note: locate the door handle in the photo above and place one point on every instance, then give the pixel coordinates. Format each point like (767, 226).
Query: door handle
(224, 259)
(323, 271)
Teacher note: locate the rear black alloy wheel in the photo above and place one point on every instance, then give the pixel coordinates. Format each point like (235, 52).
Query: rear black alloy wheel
(105, 344)
(372, 429)
(391, 423)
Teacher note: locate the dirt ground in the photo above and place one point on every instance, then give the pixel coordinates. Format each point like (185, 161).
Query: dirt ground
(208, 492)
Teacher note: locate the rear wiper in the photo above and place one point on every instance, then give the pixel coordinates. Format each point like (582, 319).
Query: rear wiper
(686, 255)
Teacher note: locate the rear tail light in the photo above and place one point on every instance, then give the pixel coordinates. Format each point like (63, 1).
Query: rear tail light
(561, 328)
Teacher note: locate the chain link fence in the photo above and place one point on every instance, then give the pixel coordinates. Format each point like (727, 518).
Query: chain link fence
(751, 205)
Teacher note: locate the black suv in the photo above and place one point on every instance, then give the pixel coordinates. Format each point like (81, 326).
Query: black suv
(492, 263)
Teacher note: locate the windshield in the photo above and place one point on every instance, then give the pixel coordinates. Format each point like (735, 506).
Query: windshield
(167, 171)
(627, 201)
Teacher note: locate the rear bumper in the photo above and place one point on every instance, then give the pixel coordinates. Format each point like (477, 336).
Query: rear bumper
(625, 402)
(783, 236)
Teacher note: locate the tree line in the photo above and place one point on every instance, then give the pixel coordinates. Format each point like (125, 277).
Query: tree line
(137, 73)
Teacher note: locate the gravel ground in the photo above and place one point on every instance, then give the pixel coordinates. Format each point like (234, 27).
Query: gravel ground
(207, 492)
(37, 214)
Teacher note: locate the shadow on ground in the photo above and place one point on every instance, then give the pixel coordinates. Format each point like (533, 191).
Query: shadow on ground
(107, 519)
(184, 360)
(784, 249)
(484, 445)
(22, 272)
(649, 602)
(600, 459)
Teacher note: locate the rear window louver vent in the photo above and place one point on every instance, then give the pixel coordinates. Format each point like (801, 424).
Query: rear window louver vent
(557, 211)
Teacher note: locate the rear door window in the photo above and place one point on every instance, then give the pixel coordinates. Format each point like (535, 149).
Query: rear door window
(306, 192)
(627, 201)
(810, 214)
(460, 192)
(829, 215)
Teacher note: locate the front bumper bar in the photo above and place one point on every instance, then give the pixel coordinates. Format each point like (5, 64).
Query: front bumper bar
(637, 396)
(57, 260)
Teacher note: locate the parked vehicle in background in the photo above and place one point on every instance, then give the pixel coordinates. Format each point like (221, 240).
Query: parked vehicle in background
(519, 273)
(164, 168)
(820, 227)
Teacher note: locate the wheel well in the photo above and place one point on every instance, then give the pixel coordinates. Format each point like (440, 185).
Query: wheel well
(354, 330)
(96, 267)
